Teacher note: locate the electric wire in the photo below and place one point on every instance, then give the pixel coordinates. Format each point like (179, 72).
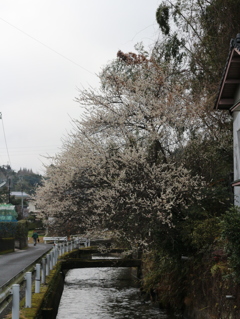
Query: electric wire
(47, 46)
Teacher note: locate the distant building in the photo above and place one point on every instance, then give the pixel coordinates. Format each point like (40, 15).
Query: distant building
(20, 195)
(23, 211)
(30, 208)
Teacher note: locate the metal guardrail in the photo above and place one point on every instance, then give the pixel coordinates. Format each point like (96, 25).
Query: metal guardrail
(5, 290)
(54, 239)
(9, 290)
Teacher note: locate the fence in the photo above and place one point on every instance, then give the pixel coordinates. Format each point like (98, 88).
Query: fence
(41, 270)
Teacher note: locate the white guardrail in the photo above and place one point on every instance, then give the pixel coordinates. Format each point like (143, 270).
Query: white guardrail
(10, 293)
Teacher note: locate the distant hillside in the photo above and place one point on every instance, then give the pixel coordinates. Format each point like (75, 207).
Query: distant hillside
(23, 180)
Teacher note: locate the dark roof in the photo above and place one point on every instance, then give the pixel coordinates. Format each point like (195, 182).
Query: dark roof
(231, 77)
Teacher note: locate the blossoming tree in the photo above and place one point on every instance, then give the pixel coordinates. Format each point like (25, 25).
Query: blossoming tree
(118, 168)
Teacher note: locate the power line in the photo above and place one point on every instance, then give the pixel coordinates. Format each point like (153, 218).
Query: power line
(47, 46)
(5, 139)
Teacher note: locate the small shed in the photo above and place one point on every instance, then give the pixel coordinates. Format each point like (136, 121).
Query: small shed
(228, 98)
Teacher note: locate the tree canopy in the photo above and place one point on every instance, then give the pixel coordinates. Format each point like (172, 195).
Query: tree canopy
(123, 166)
(148, 154)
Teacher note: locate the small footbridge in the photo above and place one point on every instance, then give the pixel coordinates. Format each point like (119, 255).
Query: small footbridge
(83, 258)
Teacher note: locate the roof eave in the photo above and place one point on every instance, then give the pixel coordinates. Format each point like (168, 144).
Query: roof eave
(221, 104)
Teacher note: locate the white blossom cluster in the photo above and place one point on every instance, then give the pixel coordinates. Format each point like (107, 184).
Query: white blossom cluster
(119, 169)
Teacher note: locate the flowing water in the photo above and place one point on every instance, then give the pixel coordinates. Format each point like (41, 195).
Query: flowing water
(105, 293)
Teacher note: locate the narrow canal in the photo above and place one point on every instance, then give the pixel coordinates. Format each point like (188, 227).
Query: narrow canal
(105, 293)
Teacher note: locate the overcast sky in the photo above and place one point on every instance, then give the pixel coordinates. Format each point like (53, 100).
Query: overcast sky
(49, 48)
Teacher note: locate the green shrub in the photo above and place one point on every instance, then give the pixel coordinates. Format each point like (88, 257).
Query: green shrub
(22, 229)
(230, 229)
(8, 229)
(35, 224)
(14, 229)
(205, 233)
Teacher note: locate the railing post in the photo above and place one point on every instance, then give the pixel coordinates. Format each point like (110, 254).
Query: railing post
(54, 256)
(47, 265)
(15, 301)
(28, 290)
(56, 247)
(43, 271)
(59, 250)
(50, 261)
(37, 278)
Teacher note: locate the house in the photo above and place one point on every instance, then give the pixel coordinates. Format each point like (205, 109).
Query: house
(34, 211)
(22, 209)
(228, 98)
(31, 206)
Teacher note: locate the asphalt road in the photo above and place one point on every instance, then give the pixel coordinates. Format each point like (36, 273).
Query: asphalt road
(13, 263)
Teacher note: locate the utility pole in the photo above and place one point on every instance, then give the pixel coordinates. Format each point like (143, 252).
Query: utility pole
(5, 139)
(22, 198)
(21, 181)
(9, 189)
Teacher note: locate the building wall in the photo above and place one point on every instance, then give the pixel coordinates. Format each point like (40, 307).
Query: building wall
(31, 207)
(236, 149)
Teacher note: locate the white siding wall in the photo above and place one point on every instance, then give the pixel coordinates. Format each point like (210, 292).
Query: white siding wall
(31, 207)
(236, 149)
